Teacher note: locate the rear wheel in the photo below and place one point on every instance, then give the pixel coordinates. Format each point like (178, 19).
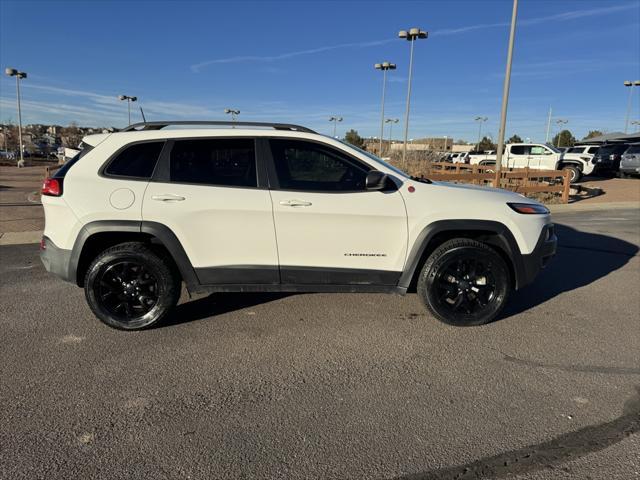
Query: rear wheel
(464, 282)
(130, 287)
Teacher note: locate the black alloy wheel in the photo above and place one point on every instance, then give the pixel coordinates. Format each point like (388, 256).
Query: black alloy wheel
(464, 282)
(129, 286)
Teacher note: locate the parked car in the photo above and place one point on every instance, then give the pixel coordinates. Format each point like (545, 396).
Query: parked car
(538, 156)
(630, 161)
(460, 157)
(607, 158)
(272, 208)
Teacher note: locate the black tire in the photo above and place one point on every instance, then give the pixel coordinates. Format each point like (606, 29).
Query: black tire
(464, 283)
(130, 287)
(576, 174)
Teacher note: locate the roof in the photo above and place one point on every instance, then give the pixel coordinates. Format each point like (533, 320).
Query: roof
(613, 137)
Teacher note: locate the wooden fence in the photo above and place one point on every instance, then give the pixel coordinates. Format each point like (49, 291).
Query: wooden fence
(520, 180)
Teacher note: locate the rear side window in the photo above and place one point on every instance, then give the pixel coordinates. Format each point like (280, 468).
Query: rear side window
(519, 149)
(224, 162)
(576, 150)
(136, 161)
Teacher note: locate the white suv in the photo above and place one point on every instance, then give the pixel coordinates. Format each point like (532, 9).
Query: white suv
(275, 207)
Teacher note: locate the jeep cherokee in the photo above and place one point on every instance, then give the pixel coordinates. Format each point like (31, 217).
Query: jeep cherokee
(277, 207)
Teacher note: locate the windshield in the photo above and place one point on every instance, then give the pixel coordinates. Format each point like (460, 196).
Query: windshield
(633, 149)
(375, 158)
(553, 149)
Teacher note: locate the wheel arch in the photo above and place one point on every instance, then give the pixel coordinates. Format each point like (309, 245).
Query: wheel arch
(435, 234)
(99, 235)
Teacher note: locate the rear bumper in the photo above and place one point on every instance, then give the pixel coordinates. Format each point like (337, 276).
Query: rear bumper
(538, 259)
(56, 260)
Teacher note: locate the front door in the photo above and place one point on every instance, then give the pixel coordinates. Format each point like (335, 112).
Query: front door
(330, 229)
(210, 199)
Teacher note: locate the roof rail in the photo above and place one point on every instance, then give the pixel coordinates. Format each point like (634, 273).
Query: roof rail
(160, 125)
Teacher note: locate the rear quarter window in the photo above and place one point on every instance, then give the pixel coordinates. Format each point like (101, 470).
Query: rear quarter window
(135, 161)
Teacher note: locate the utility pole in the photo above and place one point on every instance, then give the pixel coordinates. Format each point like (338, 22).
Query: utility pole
(505, 90)
(384, 66)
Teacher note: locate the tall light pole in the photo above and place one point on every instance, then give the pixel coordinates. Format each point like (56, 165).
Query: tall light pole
(445, 143)
(390, 121)
(546, 138)
(560, 122)
(12, 72)
(335, 121)
(505, 89)
(412, 35)
(629, 84)
(232, 112)
(384, 66)
(480, 121)
(129, 99)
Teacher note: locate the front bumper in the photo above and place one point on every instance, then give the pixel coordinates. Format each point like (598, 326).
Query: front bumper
(630, 169)
(56, 260)
(538, 259)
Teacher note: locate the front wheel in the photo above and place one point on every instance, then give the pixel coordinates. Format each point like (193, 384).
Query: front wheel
(574, 173)
(464, 283)
(130, 287)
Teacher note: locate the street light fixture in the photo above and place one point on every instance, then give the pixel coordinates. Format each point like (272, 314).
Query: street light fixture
(384, 66)
(232, 112)
(480, 121)
(335, 121)
(629, 84)
(560, 122)
(635, 122)
(129, 99)
(12, 72)
(390, 121)
(412, 35)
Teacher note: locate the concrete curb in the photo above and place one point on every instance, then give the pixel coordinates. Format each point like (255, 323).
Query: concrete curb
(582, 207)
(19, 238)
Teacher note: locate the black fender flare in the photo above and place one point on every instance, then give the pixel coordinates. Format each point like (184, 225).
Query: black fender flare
(506, 242)
(161, 232)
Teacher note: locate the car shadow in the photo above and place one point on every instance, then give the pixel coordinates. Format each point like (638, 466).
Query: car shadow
(581, 259)
(218, 304)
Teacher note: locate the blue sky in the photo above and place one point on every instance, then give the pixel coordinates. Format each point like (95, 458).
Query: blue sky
(304, 61)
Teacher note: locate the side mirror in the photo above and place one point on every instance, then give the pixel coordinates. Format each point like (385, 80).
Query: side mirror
(376, 180)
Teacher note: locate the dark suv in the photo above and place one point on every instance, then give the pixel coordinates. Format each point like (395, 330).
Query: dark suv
(607, 158)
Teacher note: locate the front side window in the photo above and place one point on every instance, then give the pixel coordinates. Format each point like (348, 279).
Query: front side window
(539, 150)
(224, 162)
(136, 161)
(309, 166)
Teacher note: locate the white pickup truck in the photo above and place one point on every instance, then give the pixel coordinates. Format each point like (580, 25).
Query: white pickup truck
(539, 156)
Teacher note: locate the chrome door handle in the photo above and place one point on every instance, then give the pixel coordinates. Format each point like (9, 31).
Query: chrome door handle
(295, 203)
(168, 197)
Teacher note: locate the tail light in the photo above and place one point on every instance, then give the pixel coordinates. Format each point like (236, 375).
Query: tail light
(52, 187)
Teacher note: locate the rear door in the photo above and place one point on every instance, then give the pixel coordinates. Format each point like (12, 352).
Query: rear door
(331, 230)
(208, 192)
(518, 156)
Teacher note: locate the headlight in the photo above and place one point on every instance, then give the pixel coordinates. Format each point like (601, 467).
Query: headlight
(529, 208)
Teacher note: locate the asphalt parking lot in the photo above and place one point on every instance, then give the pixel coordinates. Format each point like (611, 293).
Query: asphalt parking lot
(332, 386)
